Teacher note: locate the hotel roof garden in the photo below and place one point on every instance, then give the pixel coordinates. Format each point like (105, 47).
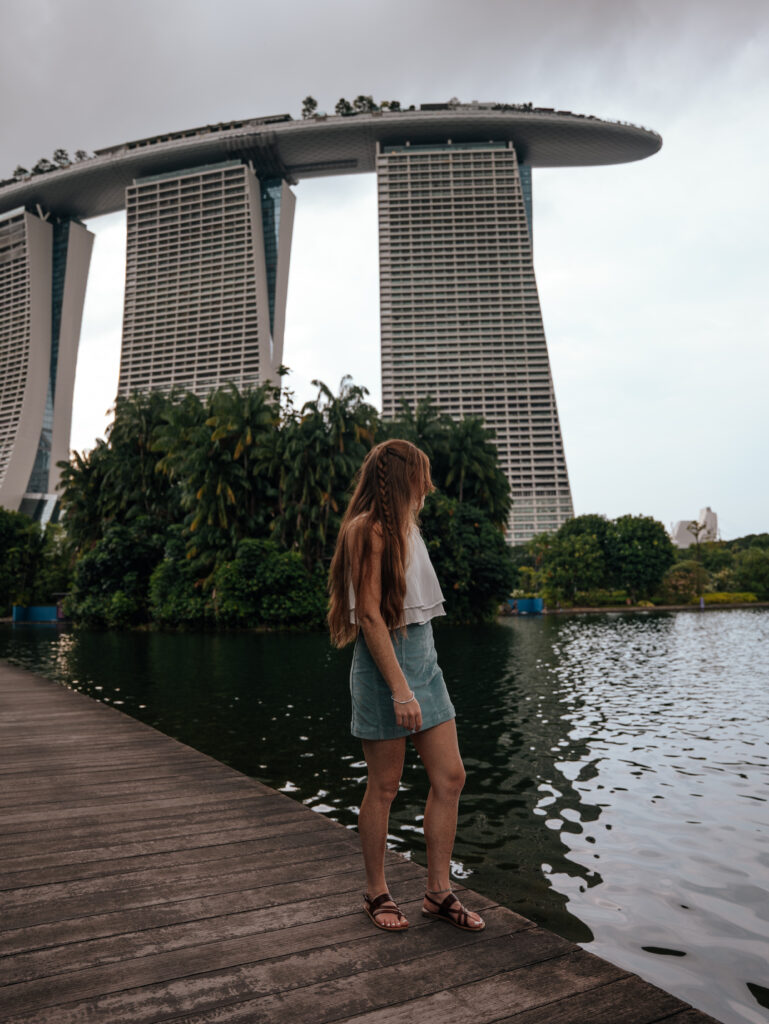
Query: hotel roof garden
(279, 146)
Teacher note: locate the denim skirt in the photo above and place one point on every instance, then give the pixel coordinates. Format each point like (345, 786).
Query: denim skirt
(373, 709)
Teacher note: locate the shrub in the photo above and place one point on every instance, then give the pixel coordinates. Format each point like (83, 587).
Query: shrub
(176, 596)
(470, 556)
(111, 580)
(682, 582)
(265, 586)
(600, 598)
(726, 598)
(751, 571)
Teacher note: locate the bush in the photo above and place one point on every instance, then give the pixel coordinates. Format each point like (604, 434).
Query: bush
(176, 597)
(470, 557)
(111, 581)
(751, 571)
(266, 586)
(726, 598)
(682, 582)
(600, 598)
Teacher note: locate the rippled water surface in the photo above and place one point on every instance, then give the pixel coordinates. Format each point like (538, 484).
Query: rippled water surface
(617, 767)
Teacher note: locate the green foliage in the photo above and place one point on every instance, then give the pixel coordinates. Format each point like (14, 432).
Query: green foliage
(470, 558)
(571, 563)
(683, 581)
(344, 107)
(34, 565)
(587, 525)
(316, 458)
(751, 571)
(111, 580)
(462, 454)
(638, 553)
(727, 598)
(309, 106)
(266, 586)
(177, 596)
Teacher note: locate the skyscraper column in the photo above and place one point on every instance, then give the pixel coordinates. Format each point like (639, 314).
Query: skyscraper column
(208, 252)
(43, 273)
(460, 314)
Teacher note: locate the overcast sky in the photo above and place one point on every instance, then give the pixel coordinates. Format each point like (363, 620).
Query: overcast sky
(652, 276)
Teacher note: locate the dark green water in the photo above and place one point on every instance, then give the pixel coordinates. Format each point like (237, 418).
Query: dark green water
(617, 767)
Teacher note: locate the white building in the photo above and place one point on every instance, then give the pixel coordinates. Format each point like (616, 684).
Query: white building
(206, 279)
(43, 270)
(684, 536)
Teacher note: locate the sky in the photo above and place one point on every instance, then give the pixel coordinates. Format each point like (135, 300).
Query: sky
(652, 275)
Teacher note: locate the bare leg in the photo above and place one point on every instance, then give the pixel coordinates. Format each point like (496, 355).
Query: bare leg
(385, 767)
(439, 751)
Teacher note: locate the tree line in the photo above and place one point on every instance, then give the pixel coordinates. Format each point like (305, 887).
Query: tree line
(225, 510)
(592, 561)
(60, 159)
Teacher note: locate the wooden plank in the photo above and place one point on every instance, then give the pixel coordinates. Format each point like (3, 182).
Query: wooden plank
(145, 882)
(205, 918)
(299, 975)
(625, 1000)
(215, 857)
(132, 895)
(186, 842)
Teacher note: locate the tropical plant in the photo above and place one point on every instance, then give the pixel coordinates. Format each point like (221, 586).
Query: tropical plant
(470, 556)
(638, 553)
(309, 106)
(344, 107)
(111, 580)
(572, 563)
(751, 571)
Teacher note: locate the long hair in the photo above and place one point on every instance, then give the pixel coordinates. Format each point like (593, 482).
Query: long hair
(393, 474)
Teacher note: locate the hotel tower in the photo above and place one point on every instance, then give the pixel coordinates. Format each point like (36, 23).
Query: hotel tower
(210, 213)
(460, 311)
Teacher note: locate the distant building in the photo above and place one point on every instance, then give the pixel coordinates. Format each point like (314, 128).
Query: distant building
(43, 270)
(682, 535)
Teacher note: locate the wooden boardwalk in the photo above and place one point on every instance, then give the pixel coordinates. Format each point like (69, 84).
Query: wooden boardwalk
(143, 881)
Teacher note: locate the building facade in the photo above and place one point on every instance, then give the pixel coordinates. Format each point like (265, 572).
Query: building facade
(210, 215)
(686, 532)
(206, 279)
(460, 313)
(43, 272)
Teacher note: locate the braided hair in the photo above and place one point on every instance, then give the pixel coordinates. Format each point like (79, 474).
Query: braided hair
(392, 475)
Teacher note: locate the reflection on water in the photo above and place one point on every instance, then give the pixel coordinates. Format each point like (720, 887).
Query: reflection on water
(617, 767)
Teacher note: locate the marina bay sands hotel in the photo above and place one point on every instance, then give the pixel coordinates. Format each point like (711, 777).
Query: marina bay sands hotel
(209, 222)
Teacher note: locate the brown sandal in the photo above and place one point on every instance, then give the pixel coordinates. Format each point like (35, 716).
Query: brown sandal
(444, 912)
(374, 908)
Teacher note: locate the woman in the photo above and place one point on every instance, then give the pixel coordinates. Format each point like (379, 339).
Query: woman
(383, 595)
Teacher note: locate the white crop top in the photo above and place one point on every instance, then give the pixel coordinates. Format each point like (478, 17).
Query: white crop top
(424, 598)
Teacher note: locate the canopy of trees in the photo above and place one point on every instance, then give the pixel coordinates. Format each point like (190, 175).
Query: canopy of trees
(592, 560)
(163, 516)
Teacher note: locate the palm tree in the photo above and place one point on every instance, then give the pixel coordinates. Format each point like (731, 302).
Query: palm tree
(425, 426)
(82, 495)
(473, 473)
(132, 485)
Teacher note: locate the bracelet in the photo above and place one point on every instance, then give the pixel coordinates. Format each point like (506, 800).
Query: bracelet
(412, 697)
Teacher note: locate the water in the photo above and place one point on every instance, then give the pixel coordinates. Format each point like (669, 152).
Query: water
(617, 767)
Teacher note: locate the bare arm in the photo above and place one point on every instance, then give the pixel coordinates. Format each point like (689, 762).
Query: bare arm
(377, 636)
